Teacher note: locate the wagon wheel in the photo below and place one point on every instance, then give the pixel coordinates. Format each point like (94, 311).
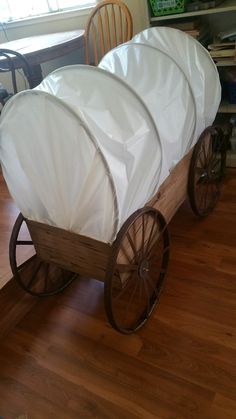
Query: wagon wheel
(137, 269)
(206, 171)
(34, 275)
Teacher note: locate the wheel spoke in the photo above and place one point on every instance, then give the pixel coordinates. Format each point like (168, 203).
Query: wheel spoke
(214, 159)
(166, 249)
(143, 238)
(24, 242)
(131, 299)
(132, 245)
(199, 171)
(122, 268)
(211, 188)
(153, 248)
(153, 255)
(204, 153)
(206, 195)
(200, 157)
(216, 170)
(34, 274)
(153, 288)
(151, 233)
(201, 198)
(209, 153)
(126, 254)
(199, 174)
(134, 240)
(124, 288)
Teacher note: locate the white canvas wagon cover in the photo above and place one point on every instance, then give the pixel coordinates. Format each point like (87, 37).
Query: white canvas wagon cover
(80, 152)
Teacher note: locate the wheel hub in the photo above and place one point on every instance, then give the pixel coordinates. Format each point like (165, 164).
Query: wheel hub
(144, 268)
(203, 177)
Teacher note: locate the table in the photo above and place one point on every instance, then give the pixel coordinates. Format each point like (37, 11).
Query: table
(42, 48)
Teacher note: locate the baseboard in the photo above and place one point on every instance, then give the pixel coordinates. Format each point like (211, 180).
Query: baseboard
(14, 305)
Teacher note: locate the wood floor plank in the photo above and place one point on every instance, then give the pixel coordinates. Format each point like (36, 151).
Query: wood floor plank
(222, 408)
(74, 321)
(200, 327)
(199, 298)
(27, 402)
(53, 388)
(191, 359)
(8, 214)
(145, 391)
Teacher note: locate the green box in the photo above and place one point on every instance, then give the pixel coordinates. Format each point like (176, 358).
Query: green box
(167, 7)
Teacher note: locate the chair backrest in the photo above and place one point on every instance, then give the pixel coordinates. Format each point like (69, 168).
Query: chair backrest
(109, 25)
(12, 62)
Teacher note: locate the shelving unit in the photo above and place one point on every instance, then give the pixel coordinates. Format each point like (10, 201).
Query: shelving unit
(218, 18)
(226, 6)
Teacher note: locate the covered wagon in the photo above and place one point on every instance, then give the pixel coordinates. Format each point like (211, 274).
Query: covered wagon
(99, 159)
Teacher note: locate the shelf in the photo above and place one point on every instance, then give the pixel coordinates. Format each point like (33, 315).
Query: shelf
(231, 159)
(226, 107)
(228, 63)
(226, 6)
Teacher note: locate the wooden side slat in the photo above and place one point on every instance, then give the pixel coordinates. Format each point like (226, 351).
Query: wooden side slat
(173, 191)
(74, 252)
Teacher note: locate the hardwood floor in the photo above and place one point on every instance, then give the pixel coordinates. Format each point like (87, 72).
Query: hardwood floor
(64, 361)
(8, 214)
(14, 302)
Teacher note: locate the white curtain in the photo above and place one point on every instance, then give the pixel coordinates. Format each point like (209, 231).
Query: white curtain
(15, 9)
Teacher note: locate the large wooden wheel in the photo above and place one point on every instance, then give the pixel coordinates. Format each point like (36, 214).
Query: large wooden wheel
(32, 274)
(136, 270)
(206, 171)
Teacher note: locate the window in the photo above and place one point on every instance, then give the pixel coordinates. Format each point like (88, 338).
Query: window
(15, 9)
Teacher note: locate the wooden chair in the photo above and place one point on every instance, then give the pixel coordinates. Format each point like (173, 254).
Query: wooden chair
(12, 62)
(109, 25)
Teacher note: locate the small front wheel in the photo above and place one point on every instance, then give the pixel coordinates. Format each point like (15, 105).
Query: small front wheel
(35, 276)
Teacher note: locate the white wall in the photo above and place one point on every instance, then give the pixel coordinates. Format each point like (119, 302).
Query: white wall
(139, 12)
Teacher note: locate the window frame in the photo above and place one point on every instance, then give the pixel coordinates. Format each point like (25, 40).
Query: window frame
(48, 17)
